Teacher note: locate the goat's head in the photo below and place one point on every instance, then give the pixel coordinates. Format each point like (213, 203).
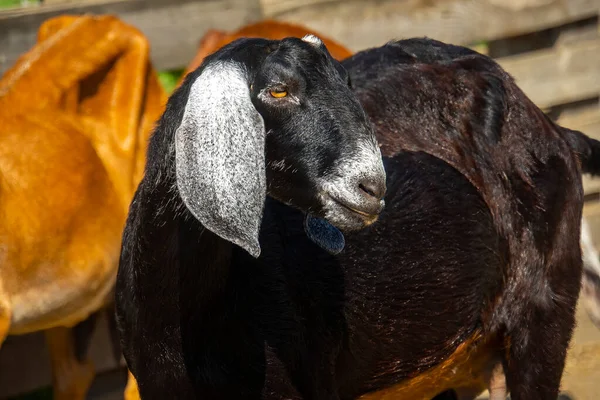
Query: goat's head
(276, 117)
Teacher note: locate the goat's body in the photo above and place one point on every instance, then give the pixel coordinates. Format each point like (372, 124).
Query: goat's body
(76, 256)
(351, 324)
(75, 114)
(477, 253)
(463, 108)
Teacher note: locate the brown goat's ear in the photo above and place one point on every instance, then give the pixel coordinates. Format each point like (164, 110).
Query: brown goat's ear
(220, 156)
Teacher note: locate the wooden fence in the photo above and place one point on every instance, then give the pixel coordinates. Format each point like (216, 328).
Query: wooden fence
(551, 47)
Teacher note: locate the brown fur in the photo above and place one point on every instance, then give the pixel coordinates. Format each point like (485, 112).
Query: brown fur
(76, 111)
(468, 369)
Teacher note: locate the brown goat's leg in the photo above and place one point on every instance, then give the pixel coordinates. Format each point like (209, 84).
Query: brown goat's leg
(4, 320)
(71, 378)
(131, 390)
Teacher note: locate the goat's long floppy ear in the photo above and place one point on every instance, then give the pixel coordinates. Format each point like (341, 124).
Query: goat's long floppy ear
(220, 158)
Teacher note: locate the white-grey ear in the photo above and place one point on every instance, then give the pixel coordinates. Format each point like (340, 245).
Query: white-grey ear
(220, 157)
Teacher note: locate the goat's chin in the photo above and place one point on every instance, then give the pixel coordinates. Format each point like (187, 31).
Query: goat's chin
(344, 215)
(346, 219)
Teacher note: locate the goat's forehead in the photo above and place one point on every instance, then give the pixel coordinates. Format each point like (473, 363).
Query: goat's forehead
(309, 44)
(309, 65)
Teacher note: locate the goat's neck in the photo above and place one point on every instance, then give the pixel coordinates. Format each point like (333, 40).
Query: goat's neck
(213, 266)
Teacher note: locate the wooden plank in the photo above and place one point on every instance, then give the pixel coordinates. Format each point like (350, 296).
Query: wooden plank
(363, 24)
(591, 212)
(586, 120)
(591, 184)
(173, 27)
(25, 363)
(60, 1)
(59, 7)
(109, 386)
(586, 29)
(560, 75)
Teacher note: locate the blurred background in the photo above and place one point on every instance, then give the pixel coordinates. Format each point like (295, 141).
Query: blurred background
(551, 47)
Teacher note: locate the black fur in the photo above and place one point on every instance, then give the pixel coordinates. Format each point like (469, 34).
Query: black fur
(166, 252)
(480, 234)
(463, 108)
(332, 321)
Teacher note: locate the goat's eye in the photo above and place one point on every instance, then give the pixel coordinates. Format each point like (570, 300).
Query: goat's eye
(278, 93)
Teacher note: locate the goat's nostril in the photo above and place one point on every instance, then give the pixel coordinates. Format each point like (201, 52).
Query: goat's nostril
(372, 188)
(366, 189)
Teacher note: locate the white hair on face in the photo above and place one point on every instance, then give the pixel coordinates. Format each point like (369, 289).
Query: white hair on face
(219, 154)
(312, 39)
(365, 162)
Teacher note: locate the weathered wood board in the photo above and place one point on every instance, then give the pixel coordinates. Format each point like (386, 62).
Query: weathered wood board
(173, 27)
(563, 74)
(25, 363)
(586, 120)
(361, 24)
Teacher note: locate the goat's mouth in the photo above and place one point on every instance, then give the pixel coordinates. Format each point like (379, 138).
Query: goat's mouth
(349, 216)
(354, 209)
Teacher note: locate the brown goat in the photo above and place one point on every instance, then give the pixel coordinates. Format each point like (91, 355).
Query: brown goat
(75, 111)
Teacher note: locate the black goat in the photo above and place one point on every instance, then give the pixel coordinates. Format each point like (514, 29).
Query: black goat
(257, 117)
(427, 97)
(473, 265)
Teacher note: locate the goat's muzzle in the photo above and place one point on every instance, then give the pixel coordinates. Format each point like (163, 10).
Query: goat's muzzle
(353, 199)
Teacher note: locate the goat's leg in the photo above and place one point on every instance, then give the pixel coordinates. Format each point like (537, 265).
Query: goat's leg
(5, 315)
(536, 347)
(71, 377)
(313, 373)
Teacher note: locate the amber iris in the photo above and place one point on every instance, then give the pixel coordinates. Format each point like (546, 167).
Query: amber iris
(278, 93)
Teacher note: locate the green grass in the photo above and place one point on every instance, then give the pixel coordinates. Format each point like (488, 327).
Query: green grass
(168, 79)
(17, 3)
